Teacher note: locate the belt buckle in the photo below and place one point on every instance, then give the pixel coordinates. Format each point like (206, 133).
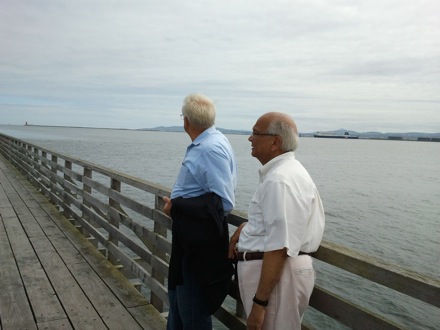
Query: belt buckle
(244, 256)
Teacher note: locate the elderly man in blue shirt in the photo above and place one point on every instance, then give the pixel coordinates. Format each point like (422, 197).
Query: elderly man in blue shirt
(200, 271)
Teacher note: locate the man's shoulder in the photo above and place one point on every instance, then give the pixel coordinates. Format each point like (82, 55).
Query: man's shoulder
(216, 141)
(286, 170)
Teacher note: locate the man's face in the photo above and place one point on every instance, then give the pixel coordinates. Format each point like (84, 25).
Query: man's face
(261, 141)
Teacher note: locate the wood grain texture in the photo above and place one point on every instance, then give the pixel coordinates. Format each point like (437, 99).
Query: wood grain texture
(51, 277)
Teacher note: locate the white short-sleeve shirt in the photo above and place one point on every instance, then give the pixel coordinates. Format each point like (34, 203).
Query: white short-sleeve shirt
(286, 210)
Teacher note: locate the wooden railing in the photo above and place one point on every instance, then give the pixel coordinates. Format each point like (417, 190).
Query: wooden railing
(121, 215)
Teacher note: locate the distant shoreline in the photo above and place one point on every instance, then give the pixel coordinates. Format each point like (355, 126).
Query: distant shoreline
(62, 126)
(409, 136)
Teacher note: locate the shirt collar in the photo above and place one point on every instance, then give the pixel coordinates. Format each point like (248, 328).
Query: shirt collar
(204, 135)
(275, 162)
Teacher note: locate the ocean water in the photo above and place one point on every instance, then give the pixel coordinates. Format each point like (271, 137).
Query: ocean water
(381, 198)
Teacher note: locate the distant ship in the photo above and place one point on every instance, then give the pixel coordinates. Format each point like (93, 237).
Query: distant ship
(346, 135)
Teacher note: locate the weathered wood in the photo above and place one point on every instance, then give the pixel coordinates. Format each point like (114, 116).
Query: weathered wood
(17, 259)
(80, 311)
(15, 310)
(143, 315)
(151, 239)
(112, 277)
(62, 324)
(229, 319)
(40, 264)
(119, 198)
(72, 299)
(420, 287)
(34, 278)
(112, 312)
(352, 315)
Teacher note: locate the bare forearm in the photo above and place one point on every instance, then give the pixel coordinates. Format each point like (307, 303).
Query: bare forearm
(273, 264)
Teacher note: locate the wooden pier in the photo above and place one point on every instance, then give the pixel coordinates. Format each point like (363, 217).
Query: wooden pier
(51, 276)
(84, 246)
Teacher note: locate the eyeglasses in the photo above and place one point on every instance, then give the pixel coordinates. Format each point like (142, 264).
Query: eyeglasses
(262, 134)
(182, 115)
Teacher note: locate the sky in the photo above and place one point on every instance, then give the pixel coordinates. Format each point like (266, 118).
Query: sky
(359, 65)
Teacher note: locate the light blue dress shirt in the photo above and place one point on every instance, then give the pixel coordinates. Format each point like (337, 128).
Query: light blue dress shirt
(209, 166)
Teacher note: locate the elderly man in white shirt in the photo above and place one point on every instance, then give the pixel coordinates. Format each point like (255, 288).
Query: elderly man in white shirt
(285, 224)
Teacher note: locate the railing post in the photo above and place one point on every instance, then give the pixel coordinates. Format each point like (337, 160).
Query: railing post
(86, 190)
(239, 309)
(29, 161)
(161, 230)
(44, 155)
(34, 166)
(67, 191)
(22, 157)
(114, 220)
(53, 181)
(35, 157)
(44, 186)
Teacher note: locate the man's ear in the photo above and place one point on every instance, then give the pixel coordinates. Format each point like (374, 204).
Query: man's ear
(276, 144)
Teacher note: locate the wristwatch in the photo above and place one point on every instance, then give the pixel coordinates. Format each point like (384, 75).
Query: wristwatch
(260, 302)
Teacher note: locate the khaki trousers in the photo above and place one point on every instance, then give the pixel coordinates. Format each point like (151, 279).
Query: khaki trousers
(289, 298)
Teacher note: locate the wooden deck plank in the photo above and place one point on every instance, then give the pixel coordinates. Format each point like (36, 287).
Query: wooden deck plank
(46, 223)
(116, 281)
(20, 210)
(7, 211)
(124, 290)
(147, 317)
(27, 220)
(39, 290)
(14, 314)
(78, 308)
(15, 311)
(4, 201)
(33, 277)
(30, 225)
(112, 312)
(51, 277)
(63, 324)
(67, 251)
(81, 312)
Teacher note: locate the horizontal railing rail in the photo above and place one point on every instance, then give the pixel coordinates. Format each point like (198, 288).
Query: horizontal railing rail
(121, 215)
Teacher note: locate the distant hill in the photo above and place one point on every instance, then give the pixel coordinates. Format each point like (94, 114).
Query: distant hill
(164, 129)
(411, 136)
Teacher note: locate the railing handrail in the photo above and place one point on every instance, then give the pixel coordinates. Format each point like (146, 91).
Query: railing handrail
(146, 250)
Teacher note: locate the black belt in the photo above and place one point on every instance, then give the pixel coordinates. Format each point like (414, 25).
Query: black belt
(246, 256)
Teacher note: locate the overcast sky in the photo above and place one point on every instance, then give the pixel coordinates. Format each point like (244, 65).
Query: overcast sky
(360, 65)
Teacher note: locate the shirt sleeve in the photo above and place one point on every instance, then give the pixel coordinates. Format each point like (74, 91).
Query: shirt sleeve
(216, 173)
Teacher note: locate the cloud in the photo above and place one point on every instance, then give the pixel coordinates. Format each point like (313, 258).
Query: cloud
(349, 64)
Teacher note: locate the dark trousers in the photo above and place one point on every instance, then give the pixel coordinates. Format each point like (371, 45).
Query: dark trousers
(187, 308)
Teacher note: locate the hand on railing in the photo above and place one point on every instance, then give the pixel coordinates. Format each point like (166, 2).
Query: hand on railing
(167, 206)
(232, 253)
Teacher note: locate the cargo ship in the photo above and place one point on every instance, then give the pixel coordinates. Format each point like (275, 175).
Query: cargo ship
(330, 135)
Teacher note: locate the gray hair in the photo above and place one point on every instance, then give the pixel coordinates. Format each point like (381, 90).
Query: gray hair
(284, 126)
(200, 110)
